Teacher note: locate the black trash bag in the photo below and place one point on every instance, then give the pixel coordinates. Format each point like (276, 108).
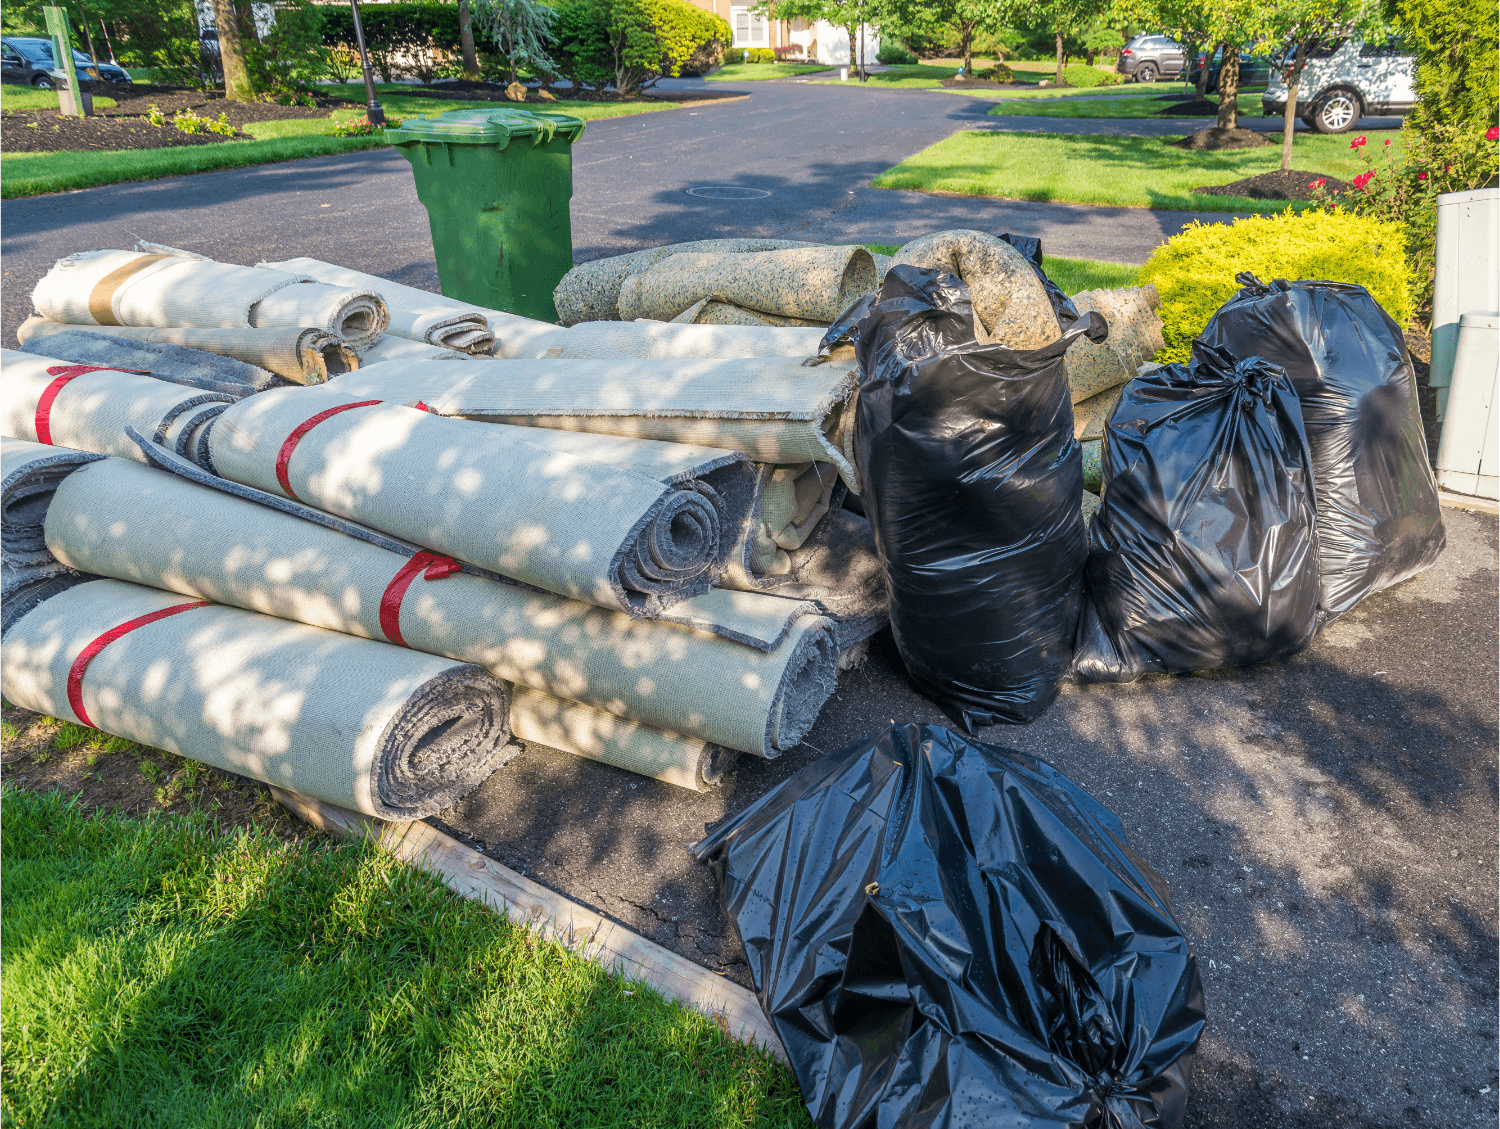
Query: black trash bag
(946, 933)
(1379, 521)
(973, 483)
(1204, 546)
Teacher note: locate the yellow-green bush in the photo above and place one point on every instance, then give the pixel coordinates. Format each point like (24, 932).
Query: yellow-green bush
(1194, 271)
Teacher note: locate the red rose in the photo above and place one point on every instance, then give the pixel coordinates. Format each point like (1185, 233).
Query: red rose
(1357, 142)
(1363, 179)
(1318, 183)
(1492, 134)
(1387, 142)
(1421, 176)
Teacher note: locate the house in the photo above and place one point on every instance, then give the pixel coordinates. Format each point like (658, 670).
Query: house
(815, 40)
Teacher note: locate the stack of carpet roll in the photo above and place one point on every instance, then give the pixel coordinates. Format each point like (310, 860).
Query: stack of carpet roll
(641, 526)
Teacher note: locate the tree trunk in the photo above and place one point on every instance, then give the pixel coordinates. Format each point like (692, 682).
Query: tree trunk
(466, 40)
(88, 33)
(1059, 58)
(1289, 122)
(1229, 88)
(853, 29)
(966, 39)
(1208, 59)
(237, 84)
(860, 8)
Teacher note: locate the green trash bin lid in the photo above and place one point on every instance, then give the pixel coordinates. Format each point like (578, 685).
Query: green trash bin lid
(496, 127)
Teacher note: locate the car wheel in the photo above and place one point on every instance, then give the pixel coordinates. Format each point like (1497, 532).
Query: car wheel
(43, 82)
(1337, 111)
(1146, 72)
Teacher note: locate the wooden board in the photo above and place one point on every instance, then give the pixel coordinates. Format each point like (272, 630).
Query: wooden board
(597, 939)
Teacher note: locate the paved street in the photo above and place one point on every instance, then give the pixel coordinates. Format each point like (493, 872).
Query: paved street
(1327, 824)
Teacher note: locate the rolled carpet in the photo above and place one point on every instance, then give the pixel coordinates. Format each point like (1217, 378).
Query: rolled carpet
(586, 732)
(656, 340)
(383, 730)
(591, 291)
(772, 409)
(152, 527)
(394, 348)
(789, 502)
(181, 289)
(94, 345)
(811, 283)
(417, 315)
(29, 475)
(47, 400)
(300, 354)
(604, 534)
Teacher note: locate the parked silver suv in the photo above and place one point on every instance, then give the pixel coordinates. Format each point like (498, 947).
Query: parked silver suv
(1147, 58)
(1344, 80)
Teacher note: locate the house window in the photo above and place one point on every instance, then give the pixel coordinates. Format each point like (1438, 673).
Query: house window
(750, 29)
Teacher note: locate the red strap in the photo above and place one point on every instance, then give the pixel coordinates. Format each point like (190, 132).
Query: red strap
(65, 373)
(421, 407)
(86, 656)
(436, 568)
(285, 455)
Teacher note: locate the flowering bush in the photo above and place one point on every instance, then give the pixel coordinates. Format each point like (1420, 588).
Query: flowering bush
(356, 127)
(155, 116)
(189, 122)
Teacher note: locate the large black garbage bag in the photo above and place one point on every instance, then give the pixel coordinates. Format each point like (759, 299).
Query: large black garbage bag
(1379, 521)
(947, 934)
(1204, 550)
(973, 484)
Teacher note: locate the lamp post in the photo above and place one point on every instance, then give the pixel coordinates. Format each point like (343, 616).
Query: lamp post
(372, 107)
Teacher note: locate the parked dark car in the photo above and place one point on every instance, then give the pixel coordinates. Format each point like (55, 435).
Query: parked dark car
(1147, 58)
(26, 59)
(1255, 70)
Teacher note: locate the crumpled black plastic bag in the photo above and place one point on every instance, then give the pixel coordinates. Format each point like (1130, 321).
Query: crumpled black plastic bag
(1379, 521)
(946, 933)
(1204, 547)
(973, 483)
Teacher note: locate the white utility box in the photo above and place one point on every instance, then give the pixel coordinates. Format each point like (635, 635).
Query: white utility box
(1468, 225)
(1468, 460)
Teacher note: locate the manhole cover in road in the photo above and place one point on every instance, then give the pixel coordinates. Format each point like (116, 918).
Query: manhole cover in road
(727, 192)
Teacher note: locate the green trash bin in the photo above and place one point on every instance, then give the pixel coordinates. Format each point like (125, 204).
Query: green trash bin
(496, 185)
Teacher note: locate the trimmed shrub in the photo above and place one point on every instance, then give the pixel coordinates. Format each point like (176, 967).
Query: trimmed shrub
(892, 54)
(749, 55)
(424, 33)
(1194, 271)
(998, 73)
(629, 44)
(1084, 76)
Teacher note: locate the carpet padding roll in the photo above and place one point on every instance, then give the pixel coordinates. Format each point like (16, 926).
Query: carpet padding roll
(657, 340)
(1134, 338)
(814, 284)
(167, 287)
(29, 475)
(607, 535)
(1011, 305)
(300, 354)
(591, 291)
(417, 315)
(51, 401)
(152, 527)
(379, 729)
(773, 409)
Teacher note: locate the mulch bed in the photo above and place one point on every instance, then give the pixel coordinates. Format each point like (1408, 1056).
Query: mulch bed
(46, 131)
(1215, 139)
(1290, 185)
(1194, 108)
(983, 83)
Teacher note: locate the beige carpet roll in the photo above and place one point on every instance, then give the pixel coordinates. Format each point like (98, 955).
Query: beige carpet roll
(51, 401)
(604, 534)
(812, 283)
(1134, 338)
(301, 355)
(379, 729)
(1010, 302)
(142, 288)
(591, 291)
(584, 731)
(152, 527)
(403, 349)
(417, 315)
(789, 502)
(773, 409)
(655, 340)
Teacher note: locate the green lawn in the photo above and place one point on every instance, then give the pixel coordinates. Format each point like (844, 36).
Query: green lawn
(1133, 172)
(920, 76)
(1136, 107)
(757, 72)
(157, 973)
(33, 174)
(1071, 275)
(398, 102)
(13, 96)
